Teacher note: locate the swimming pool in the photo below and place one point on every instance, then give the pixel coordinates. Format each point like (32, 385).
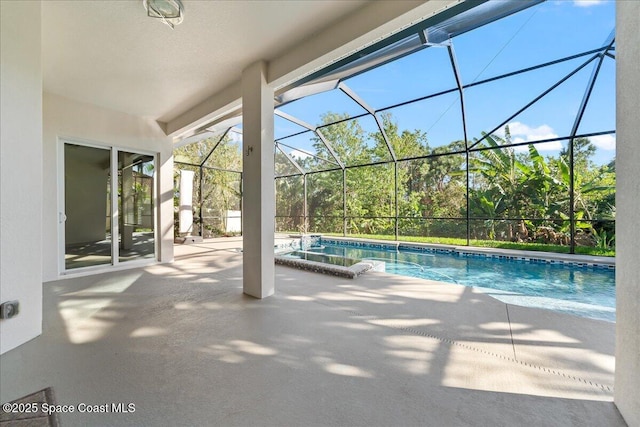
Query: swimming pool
(583, 291)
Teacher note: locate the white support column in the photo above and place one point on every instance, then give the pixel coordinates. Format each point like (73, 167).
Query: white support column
(258, 198)
(186, 202)
(627, 380)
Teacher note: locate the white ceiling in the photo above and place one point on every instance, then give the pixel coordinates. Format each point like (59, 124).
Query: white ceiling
(109, 53)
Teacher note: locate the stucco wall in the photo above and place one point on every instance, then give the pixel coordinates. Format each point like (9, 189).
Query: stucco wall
(73, 121)
(20, 170)
(627, 381)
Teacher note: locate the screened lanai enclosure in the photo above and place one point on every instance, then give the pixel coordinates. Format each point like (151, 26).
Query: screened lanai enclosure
(494, 126)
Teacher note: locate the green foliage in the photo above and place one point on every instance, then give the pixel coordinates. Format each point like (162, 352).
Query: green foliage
(530, 186)
(603, 240)
(221, 187)
(519, 197)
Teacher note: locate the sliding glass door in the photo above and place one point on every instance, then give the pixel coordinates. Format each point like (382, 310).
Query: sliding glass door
(97, 207)
(136, 236)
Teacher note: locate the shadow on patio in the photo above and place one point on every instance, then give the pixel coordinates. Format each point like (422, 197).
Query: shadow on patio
(185, 346)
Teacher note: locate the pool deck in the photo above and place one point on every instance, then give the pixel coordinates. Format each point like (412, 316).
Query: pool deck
(184, 344)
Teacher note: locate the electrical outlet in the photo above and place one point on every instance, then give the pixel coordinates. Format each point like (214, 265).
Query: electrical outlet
(9, 309)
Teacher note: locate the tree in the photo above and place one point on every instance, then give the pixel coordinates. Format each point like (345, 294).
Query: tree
(220, 187)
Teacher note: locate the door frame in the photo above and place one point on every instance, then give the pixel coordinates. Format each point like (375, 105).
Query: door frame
(61, 217)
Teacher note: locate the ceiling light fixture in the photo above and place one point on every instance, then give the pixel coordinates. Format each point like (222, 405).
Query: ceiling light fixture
(170, 11)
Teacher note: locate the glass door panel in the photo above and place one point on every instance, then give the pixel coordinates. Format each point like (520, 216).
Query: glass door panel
(86, 189)
(136, 238)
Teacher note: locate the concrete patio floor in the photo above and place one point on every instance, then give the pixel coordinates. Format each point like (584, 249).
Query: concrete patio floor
(182, 343)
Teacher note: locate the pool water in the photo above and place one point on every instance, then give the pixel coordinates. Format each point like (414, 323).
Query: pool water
(583, 291)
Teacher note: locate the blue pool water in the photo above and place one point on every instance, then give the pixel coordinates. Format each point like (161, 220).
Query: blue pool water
(583, 291)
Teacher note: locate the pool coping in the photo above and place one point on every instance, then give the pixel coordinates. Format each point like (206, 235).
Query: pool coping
(511, 254)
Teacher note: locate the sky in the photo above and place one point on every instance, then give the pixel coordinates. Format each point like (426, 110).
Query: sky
(542, 33)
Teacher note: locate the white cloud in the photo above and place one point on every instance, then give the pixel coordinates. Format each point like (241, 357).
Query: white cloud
(550, 146)
(235, 135)
(543, 146)
(587, 3)
(604, 142)
(300, 155)
(521, 133)
(524, 133)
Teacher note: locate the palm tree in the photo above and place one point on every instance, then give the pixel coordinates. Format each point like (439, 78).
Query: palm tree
(507, 184)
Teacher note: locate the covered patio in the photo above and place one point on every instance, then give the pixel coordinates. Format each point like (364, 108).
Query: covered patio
(183, 344)
(205, 334)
